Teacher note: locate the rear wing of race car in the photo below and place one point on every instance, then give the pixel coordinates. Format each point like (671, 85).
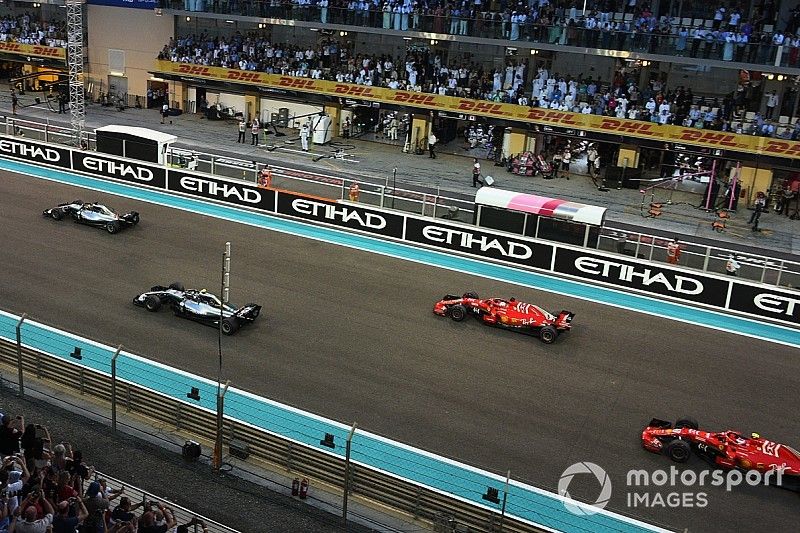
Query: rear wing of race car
(248, 312)
(131, 217)
(564, 319)
(659, 424)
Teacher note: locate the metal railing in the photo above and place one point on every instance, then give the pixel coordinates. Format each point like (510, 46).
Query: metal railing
(390, 192)
(755, 267)
(182, 515)
(373, 190)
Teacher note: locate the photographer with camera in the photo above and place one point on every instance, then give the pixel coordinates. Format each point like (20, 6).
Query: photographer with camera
(13, 477)
(25, 520)
(71, 513)
(150, 523)
(124, 511)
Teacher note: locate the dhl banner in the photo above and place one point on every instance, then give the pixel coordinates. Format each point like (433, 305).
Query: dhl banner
(563, 119)
(33, 50)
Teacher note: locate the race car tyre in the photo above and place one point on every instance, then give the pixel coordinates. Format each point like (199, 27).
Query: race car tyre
(177, 286)
(686, 422)
(458, 313)
(112, 227)
(678, 450)
(470, 294)
(548, 334)
(57, 214)
(152, 303)
(229, 326)
(256, 312)
(135, 219)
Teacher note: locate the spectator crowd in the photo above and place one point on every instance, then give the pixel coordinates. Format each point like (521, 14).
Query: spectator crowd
(47, 486)
(609, 24)
(26, 29)
(516, 82)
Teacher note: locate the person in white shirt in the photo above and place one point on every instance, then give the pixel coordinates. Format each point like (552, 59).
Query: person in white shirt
(497, 82)
(718, 16)
(304, 132)
(565, 160)
(543, 74)
(476, 173)
(537, 87)
(650, 106)
(732, 265)
(772, 102)
(733, 21)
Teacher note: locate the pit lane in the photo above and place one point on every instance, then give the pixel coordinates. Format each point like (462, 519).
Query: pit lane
(349, 335)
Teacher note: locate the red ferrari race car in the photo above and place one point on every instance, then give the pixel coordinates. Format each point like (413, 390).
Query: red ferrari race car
(508, 314)
(725, 449)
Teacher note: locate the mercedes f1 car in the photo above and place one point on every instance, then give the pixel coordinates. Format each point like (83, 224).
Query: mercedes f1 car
(727, 450)
(198, 305)
(93, 214)
(508, 314)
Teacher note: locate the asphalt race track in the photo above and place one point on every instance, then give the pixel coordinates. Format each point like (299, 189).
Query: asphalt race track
(350, 335)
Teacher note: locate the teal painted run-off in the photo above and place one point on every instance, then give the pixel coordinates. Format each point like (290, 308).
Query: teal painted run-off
(524, 501)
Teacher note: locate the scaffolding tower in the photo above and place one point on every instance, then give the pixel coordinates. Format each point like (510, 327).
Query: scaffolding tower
(75, 64)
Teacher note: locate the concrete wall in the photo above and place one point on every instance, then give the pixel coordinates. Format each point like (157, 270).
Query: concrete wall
(139, 32)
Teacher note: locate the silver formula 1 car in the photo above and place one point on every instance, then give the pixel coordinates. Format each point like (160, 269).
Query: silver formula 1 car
(93, 214)
(198, 305)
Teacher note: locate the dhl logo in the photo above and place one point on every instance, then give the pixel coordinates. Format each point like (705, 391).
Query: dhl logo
(629, 126)
(551, 116)
(46, 51)
(783, 148)
(240, 75)
(194, 70)
(354, 90)
(10, 47)
(480, 107)
(718, 139)
(414, 98)
(297, 83)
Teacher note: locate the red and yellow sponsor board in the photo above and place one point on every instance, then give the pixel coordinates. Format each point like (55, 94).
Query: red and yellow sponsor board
(596, 123)
(33, 50)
